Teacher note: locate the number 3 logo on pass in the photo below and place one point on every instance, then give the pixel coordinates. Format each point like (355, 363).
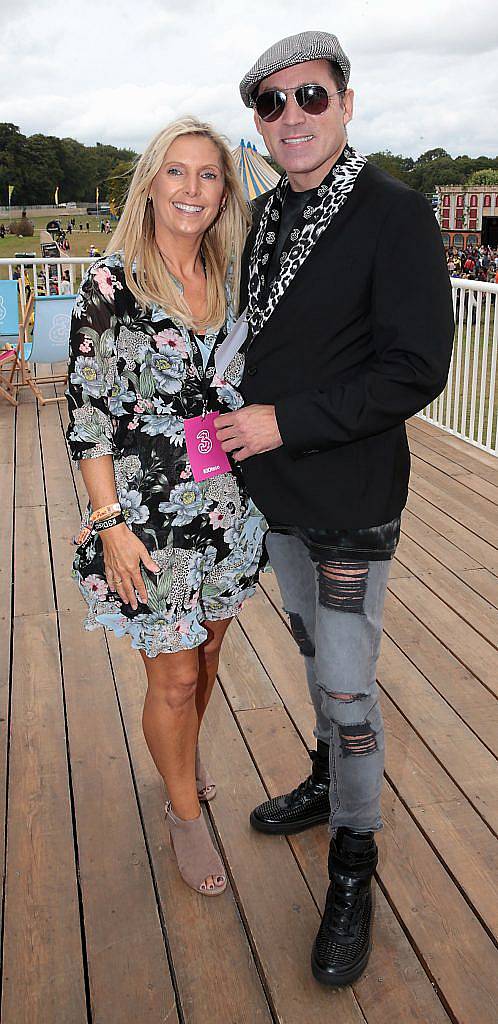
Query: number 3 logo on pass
(205, 443)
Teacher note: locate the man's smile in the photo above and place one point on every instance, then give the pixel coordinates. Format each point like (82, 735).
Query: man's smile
(297, 140)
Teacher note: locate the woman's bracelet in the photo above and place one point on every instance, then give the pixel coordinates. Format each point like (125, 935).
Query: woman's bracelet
(105, 524)
(105, 511)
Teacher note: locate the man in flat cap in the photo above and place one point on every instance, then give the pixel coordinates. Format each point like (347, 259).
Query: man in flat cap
(350, 333)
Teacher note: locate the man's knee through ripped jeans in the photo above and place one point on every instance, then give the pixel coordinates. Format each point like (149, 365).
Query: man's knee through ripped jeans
(335, 611)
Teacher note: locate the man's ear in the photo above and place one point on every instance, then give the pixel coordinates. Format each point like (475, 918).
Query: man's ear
(257, 122)
(348, 105)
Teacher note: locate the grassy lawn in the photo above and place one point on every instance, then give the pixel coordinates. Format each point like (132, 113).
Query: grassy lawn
(80, 241)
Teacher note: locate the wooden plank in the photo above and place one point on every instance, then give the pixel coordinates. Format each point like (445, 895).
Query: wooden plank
(457, 749)
(455, 444)
(447, 675)
(461, 456)
(398, 570)
(43, 966)
(459, 955)
(465, 567)
(245, 681)
(454, 829)
(469, 477)
(7, 433)
(127, 960)
(33, 588)
(217, 978)
(476, 611)
(260, 620)
(56, 465)
(471, 649)
(459, 535)
(486, 459)
(64, 523)
(412, 875)
(77, 477)
(29, 476)
(394, 987)
(483, 487)
(483, 582)
(274, 898)
(63, 510)
(480, 519)
(6, 538)
(437, 460)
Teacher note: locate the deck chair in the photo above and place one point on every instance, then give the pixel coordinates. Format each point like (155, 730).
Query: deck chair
(11, 333)
(49, 344)
(8, 358)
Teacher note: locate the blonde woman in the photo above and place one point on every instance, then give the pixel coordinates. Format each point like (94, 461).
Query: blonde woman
(163, 557)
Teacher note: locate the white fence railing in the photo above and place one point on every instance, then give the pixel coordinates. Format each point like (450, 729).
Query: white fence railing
(468, 406)
(45, 276)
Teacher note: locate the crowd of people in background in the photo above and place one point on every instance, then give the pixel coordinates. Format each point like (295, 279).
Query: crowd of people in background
(474, 263)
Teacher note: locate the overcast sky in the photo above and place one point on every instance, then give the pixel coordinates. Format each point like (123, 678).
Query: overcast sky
(118, 70)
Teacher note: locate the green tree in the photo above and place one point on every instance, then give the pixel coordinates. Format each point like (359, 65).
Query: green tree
(487, 176)
(398, 166)
(433, 154)
(37, 164)
(118, 182)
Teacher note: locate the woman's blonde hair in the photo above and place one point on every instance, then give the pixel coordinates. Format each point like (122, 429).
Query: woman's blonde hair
(222, 245)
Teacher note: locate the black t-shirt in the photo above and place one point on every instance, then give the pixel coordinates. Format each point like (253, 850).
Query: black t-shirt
(294, 204)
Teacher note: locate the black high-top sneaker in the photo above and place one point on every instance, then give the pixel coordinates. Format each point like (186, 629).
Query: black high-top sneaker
(342, 946)
(305, 806)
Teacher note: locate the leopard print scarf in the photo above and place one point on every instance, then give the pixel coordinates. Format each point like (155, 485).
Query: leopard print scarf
(314, 219)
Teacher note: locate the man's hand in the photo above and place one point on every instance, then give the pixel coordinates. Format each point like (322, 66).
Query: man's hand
(249, 431)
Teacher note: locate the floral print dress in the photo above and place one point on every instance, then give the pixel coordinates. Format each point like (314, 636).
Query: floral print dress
(134, 377)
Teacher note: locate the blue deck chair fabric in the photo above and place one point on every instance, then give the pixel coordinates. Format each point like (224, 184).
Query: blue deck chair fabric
(9, 309)
(50, 343)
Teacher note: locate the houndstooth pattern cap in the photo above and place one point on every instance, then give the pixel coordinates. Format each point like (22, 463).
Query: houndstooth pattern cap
(293, 50)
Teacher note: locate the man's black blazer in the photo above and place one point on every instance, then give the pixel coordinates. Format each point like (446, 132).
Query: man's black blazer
(360, 341)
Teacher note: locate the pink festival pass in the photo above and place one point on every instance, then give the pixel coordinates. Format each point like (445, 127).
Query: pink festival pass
(205, 453)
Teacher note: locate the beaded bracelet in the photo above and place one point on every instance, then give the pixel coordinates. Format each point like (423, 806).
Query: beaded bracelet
(105, 511)
(105, 524)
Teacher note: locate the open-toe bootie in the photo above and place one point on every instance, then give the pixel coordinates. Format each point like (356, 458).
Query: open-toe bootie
(195, 854)
(206, 787)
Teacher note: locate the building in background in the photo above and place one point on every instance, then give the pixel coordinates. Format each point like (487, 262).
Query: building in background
(468, 217)
(255, 172)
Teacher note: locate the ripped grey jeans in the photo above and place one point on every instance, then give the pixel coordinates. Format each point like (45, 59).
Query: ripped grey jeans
(335, 608)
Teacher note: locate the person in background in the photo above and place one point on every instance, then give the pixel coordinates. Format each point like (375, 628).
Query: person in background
(65, 285)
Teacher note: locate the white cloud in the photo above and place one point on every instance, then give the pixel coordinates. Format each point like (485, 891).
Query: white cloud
(424, 75)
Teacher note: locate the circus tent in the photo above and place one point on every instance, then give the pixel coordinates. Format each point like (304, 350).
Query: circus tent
(256, 174)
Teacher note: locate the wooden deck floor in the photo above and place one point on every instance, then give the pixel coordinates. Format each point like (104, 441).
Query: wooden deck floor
(97, 925)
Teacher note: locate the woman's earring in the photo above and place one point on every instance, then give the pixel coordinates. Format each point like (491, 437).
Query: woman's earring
(223, 206)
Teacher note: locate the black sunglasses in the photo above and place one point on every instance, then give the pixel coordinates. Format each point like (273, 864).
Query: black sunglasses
(313, 99)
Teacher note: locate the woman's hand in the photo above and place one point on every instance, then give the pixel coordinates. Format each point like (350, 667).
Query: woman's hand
(123, 553)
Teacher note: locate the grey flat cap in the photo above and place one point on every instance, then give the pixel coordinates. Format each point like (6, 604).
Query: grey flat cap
(293, 50)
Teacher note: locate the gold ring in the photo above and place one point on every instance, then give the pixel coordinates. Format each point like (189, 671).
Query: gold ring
(116, 580)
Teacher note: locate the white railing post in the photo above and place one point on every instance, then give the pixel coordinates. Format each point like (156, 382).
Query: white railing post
(468, 405)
